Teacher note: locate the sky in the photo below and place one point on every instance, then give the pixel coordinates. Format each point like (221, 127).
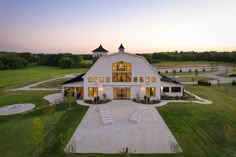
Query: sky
(142, 26)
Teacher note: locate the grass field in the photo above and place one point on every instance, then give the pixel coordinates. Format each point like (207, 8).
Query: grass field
(16, 78)
(52, 84)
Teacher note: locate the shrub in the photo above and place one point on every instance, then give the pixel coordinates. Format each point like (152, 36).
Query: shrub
(166, 71)
(203, 70)
(190, 70)
(180, 70)
(148, 99)
(234, 83)
(204, 83)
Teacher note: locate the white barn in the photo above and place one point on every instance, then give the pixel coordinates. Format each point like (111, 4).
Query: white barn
(121, 75)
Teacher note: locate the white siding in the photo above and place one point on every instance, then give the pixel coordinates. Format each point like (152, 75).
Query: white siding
(140, 68)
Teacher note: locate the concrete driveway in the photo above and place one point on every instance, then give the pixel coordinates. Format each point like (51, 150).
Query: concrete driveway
(151, 135)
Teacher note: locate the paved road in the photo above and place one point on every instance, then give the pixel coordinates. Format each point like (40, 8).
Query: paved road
(214, 75)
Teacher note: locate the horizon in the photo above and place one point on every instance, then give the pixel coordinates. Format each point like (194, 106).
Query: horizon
(142, 27)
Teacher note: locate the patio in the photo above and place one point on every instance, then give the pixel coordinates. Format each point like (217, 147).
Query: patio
(151, 135)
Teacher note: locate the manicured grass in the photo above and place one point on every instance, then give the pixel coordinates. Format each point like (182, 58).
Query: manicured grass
(52, 84)
(189, 79)
(87, 61)
(205, 130)
(15, 78)
(16, 131)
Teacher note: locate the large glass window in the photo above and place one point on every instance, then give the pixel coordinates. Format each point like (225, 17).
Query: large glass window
(153, 79)
(175, 89)
(141, 79)
(93, 91)
(107, 79)
(95, 79)
(101, 79)
(150, 91)
(166, 89)
(90, 79)
(121, 72)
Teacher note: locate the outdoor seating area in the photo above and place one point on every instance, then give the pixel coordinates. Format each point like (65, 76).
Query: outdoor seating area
(137, 115)
(105, 115)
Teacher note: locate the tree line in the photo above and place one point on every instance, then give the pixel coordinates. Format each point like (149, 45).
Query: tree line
(12, 60)
(229, 57)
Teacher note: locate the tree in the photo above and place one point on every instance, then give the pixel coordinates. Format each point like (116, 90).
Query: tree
(66, 63)
(70, 99)
(174, 72)
(1, 65)
(196, 72)
(37, 133)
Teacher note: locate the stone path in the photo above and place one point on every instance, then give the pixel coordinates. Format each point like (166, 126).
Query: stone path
(16, 108)
(151, 135)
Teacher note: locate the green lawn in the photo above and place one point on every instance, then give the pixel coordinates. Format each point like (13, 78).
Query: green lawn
(87, 61)
(205, 130)
(16, 78)
(52, 84)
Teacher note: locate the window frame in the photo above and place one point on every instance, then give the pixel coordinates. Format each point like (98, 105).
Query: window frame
(90, 79)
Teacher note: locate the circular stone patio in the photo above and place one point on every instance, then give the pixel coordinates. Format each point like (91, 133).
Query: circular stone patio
(16, 108)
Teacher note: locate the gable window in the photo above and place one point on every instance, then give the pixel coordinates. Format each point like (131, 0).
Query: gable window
(147, 79)
(121, 72)
(101, 79)
(92, 91)
(135, 79)
(153, 79)
(150, 91)
(175, 89)
(95, 79)
(141, 79)
(166, 89)
(107, 79)
(90, 79)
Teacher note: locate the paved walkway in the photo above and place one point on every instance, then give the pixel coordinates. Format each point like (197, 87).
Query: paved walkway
(54, 98)
(16, 108)
(151, 135)
(29, 87)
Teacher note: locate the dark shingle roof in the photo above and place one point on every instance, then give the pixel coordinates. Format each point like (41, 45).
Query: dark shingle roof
(100, 49)
(121, 46)
(75, 79)
(167, 79)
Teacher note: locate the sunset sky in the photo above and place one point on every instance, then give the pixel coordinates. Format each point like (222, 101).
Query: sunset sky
(143, 26)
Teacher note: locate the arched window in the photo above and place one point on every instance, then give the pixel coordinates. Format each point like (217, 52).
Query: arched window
(121, 72)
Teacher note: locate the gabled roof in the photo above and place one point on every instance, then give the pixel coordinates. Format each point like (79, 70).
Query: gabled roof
(75, 79)
(124, 53)
(100, 49)
(121, 46)
(167, 79)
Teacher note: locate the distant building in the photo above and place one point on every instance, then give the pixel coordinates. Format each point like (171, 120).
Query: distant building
(121, 75)
(99, 52)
